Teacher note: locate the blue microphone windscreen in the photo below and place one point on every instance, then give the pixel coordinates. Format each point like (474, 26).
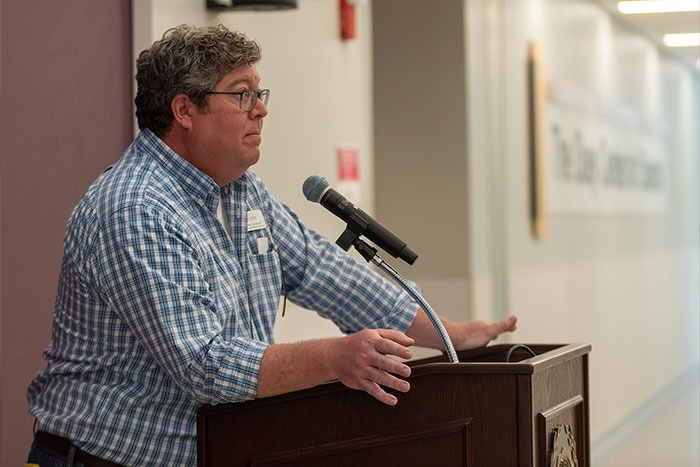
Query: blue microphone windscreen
(314, 187)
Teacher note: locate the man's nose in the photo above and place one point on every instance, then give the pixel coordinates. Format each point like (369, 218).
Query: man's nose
(260, 110)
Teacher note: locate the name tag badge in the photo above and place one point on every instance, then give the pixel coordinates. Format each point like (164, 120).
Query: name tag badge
(256, 221)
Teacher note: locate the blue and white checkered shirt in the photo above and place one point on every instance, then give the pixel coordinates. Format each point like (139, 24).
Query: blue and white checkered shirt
(159, 310)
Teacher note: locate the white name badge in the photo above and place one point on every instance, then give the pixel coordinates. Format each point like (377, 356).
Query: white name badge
(256, 221)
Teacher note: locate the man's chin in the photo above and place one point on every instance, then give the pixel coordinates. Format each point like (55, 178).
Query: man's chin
(253, 157)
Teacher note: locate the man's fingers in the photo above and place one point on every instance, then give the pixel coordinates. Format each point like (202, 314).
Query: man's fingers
(389, 364)
(372, 363)
(391, 347)
(509, 324)
(396, 336)
(385, 379)
(373, 389)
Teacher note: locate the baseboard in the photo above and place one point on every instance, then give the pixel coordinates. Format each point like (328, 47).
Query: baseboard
(616, 436)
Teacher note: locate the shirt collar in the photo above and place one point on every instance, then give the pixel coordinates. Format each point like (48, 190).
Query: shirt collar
(198, 185)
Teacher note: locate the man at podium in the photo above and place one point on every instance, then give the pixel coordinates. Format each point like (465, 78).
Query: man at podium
(174, 264)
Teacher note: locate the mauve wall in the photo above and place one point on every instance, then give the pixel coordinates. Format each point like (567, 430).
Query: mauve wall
(65, 114)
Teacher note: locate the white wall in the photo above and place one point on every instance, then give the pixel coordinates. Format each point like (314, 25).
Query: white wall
(321, 96)
(628, 284)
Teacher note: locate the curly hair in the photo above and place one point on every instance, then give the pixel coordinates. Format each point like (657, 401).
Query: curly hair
(187, 60)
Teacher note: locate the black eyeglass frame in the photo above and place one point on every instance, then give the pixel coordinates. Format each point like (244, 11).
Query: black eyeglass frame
(262, 94)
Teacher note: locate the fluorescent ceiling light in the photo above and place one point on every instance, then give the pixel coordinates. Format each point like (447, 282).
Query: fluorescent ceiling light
(657, 6)
(691, 39)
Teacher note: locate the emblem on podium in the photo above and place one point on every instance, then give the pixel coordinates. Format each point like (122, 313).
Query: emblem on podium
(563, 447)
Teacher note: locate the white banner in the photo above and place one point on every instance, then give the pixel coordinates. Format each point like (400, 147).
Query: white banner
(602, 158)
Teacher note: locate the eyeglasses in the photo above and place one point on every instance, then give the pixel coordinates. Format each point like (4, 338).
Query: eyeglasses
(248, 98)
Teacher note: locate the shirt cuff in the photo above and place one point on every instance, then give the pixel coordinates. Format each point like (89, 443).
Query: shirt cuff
(240, 380)
(403, 314)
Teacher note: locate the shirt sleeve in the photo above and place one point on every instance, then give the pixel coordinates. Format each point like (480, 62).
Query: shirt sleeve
(150, 273)
(320, 276)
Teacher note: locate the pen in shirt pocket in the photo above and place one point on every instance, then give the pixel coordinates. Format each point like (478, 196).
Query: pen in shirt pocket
(263, 245)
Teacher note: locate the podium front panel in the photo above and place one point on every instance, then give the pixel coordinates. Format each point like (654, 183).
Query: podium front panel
(483, 412)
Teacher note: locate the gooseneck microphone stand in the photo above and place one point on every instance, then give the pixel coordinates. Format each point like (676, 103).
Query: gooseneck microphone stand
(351, 236)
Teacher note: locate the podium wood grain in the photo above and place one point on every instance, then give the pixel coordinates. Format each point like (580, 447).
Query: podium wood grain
(479, 412)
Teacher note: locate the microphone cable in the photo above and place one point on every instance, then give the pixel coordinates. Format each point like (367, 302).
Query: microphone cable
(519, 347)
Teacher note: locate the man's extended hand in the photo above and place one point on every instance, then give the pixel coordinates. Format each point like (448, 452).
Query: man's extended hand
(466, 336)
(362, 361)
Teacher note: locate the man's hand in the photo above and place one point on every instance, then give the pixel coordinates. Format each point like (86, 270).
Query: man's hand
(361, 361)
(477, 334)
(465, 336)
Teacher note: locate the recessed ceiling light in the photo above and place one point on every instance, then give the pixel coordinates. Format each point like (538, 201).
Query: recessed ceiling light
(690, 39)
(657, 6)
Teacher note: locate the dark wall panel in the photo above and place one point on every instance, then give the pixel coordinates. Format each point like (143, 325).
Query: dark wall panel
(65, 114)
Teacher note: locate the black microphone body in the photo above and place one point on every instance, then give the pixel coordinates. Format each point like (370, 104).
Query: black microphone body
(358, 221)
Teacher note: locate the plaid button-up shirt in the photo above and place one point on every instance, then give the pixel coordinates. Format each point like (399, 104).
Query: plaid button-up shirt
(159, 309)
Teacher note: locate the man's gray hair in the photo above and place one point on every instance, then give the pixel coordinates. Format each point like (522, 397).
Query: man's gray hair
(187, 60)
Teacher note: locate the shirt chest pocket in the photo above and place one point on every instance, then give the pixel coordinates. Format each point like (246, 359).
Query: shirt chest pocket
(264, 281)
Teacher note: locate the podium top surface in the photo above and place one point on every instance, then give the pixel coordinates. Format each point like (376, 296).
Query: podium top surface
(492, 359)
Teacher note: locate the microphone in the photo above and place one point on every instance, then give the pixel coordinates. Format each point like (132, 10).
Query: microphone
(316, 189)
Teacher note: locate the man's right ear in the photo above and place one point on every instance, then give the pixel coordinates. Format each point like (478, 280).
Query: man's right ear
(182, 108)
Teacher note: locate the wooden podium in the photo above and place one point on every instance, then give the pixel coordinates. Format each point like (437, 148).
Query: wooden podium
(482, 411)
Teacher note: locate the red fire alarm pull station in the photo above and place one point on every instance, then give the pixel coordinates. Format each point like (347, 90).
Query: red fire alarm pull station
(347, 19)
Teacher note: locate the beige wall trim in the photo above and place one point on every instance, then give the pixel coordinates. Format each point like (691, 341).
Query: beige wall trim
(537, 98)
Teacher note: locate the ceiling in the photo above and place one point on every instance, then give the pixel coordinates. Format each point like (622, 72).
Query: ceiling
(655, 25)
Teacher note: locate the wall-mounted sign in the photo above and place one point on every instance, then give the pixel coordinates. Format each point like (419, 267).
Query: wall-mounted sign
(590, 155)
(349, 172)
(602, 157)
